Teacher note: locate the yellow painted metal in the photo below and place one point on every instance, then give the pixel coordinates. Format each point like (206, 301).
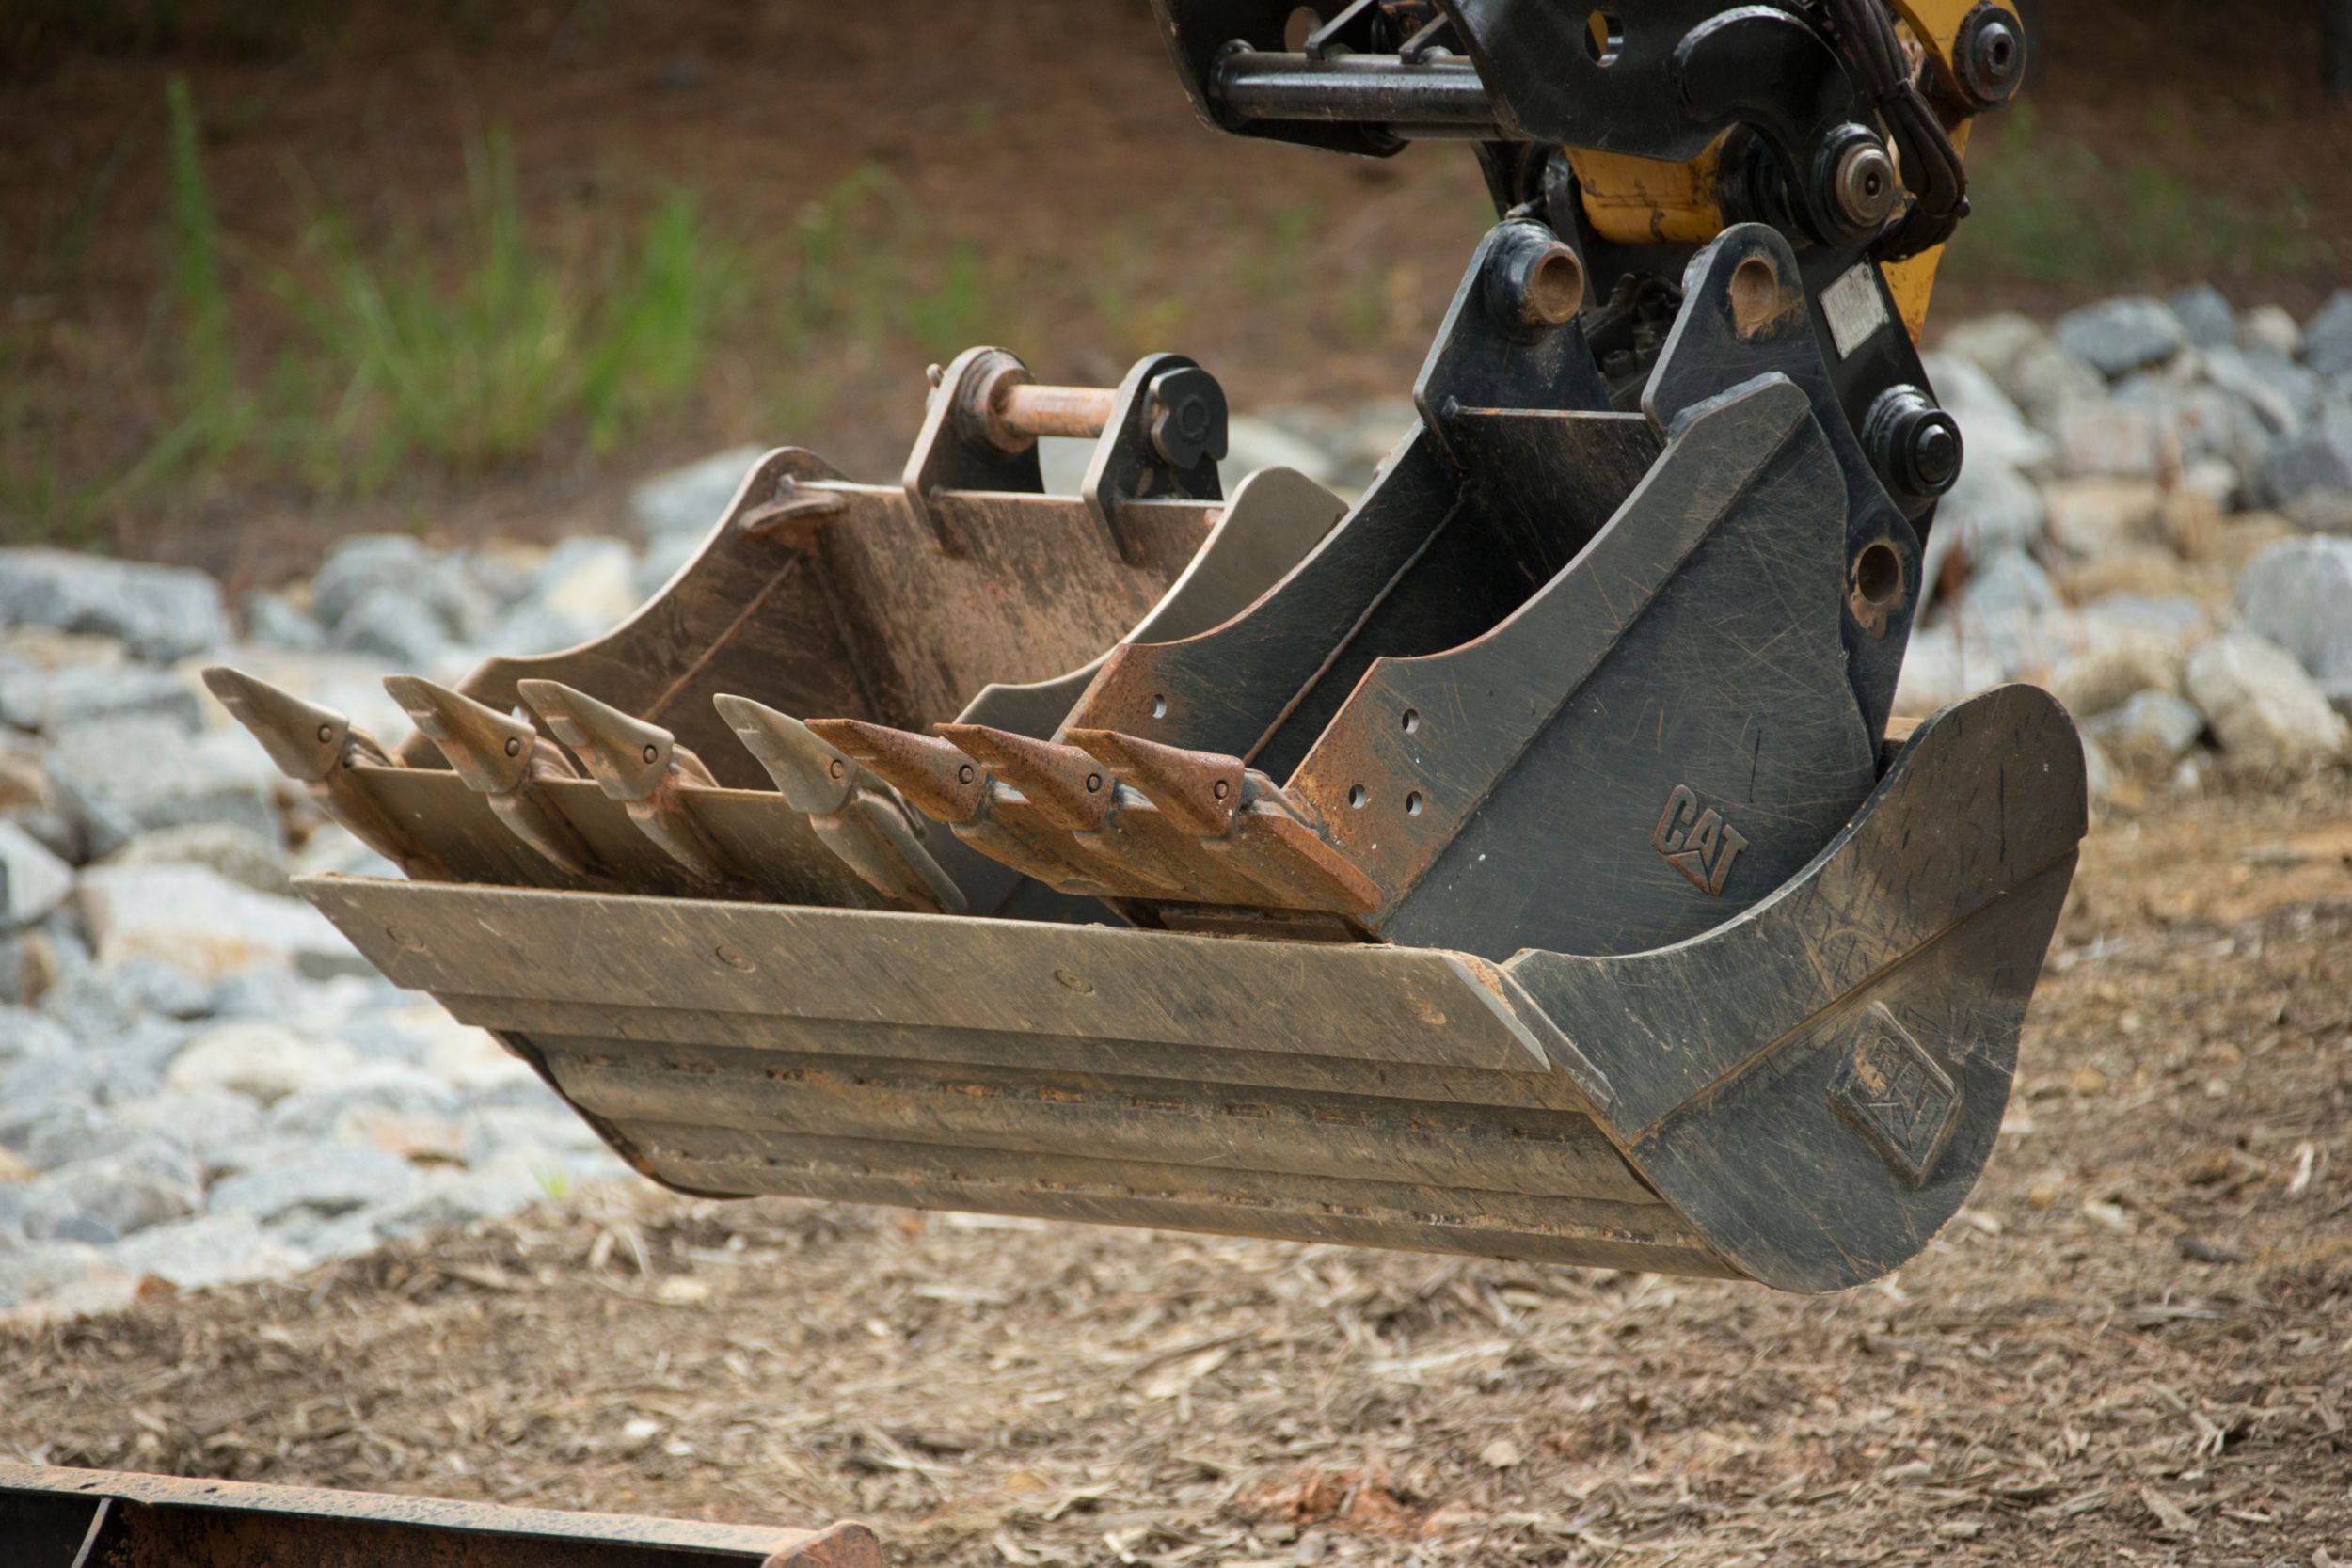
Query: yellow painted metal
(1936, 23)
(1645, 200)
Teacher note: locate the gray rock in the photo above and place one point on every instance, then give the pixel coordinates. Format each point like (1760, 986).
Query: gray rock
(199, 921)
(1995, 431)
(2176, 618)
(272, 620)
(1254, 441)
(393, 623)
(2114, 439)
(2299, 594)
(383, 1088)
(31, 1273)
(1990, 510)
(692, 499)
(325, 1182)
(263, 1062)
(2107, 674)
(457, 1198)
(2281, 392)
(212, 1249)
(2204, 313)
(121, 1192)
(2098, 517)
(2150, 724)
(161, 612)
(107, 1002)
(76, 1130)
(2313, 512)
(2117, 336)
(545, 1131)
(215, 1127)
(224, 846)
(2010, 582)
(94, 1077)
(2271, 330)
(32, 698)
(2328, 336)
(121, 777)
(2318, 457)
(33, 881)
(27, 1110)
(2024, 362)
(24, 1033)
(2259, 702)
(399, 566)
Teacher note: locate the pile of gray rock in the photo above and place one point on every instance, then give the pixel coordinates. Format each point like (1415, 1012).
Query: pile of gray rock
(202, 1082)
(2155, 521)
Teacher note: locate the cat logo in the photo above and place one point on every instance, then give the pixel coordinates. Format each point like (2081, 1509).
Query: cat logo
(1697, 843)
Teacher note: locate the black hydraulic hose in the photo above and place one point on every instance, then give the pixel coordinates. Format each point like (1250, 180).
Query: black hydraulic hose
(1931, 164)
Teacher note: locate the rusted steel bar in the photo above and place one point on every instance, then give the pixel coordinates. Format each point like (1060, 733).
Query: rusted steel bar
(67, 1518)
(1078, 412)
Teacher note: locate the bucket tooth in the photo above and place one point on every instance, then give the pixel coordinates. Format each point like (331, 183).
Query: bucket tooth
(1199, 791)
(501, 758)
(1063, 783)
(948, 784)
(319, 748)
(640, 765)
(856, 816)
(1271, 846)
(935, 775)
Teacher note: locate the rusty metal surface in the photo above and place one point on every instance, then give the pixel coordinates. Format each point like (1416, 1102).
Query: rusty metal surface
(1718, 1106)
(54, 1517)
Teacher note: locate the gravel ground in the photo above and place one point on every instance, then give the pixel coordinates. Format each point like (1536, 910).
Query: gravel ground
(2135, 1346)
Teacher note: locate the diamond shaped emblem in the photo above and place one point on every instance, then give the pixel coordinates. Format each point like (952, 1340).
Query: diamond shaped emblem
(1895, 1095)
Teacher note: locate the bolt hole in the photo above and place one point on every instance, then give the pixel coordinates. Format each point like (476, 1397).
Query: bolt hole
(1356, 796)
(1878, 575)
(1221, 789)
(653, 754)
(964, 774)
(1604, 38)
(1412, 721)
(326, 732)
(1412, 803)
(1159, 707)
(1754, 295)
(1094, 784)
(514, 745)
(836, 768)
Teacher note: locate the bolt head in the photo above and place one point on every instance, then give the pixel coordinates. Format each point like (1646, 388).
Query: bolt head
(1868, 189)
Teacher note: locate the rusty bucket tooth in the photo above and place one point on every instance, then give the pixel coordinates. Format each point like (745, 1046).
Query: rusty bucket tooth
(935, 775)
(318, 748)
(500, 757)
(1271, 846)
(1063, 783)
(812, 776)
(856, 816)
(1197, 790)
(949, 786)
(307, 742)
(629, 757)
(640, 765)
(492, 751)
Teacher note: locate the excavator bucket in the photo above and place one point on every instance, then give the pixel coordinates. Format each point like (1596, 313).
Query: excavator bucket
(1525, 862)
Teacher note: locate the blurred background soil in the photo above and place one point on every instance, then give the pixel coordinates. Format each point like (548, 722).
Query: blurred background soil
(270, 274)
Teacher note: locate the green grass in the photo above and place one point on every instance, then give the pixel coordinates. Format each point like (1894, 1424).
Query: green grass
(2047, 209)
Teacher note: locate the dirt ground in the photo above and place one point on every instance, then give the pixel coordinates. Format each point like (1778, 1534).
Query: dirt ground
(2135, 1346)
